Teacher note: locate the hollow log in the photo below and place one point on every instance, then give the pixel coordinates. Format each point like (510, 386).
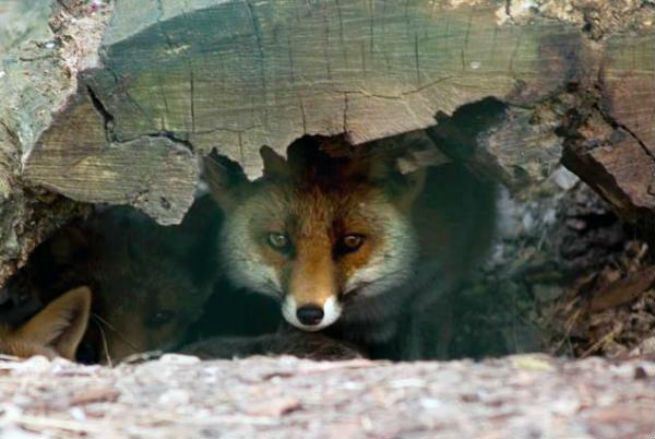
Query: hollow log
(116, 102)
(191, 76)
(120, 113)
(236, 75)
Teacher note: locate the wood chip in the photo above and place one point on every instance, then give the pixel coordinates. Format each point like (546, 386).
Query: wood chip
(623, 291)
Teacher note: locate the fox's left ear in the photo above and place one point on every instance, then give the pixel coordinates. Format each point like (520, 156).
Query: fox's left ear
(61, 324)
(412, 186)
(225, 178)
(275, 166)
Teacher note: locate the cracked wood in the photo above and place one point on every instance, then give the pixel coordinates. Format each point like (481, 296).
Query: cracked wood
(237, 75)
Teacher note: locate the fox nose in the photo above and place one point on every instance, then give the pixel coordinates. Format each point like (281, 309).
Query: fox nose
(310, 315)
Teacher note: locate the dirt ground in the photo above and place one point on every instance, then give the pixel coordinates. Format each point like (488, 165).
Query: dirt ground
(527, 396)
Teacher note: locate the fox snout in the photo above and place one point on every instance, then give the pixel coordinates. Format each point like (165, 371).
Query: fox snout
(311, 316)
(311, 302)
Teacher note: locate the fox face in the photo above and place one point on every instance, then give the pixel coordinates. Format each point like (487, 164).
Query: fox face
(54, 331)
(150, 281)
(318, 231)
(146, 310)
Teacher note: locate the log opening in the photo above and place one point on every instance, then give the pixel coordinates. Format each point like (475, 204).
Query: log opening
(547, 255)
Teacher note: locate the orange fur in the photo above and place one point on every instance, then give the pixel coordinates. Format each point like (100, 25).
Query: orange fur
(54, 331)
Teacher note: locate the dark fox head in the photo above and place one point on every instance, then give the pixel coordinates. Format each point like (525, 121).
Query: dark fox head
(149, 282)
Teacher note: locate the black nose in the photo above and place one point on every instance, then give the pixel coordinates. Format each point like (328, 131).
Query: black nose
(310, 314)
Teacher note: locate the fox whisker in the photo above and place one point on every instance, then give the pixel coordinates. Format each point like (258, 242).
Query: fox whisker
(115, 331)
(103, 337)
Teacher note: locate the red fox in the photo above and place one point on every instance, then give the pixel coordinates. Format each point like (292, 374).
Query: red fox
(54, 331)
(347, 243)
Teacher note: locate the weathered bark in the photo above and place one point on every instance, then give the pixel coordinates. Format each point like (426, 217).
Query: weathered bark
(517, 397)
(40, 63)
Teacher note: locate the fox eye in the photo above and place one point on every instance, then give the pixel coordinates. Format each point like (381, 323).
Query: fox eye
(160, 318)
(353, 242)
(279, 241)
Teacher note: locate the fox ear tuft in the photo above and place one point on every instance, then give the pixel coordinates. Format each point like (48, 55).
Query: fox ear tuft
(61, 324)
(275, 166)
(413, 185)
(64, 247)
(225, 179)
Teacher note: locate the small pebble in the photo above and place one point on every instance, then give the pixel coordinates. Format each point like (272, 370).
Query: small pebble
(78, 414)
(17, 433)
(431, 403)
(409, 382)
(640, 373)
(179, 359)
(174, 397)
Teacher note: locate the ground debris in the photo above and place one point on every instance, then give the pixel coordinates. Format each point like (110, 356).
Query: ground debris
(523, 396)
(610, 312)
(623, 290)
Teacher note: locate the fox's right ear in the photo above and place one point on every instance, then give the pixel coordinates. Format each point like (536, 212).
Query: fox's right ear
(410, 188)
(275, 166)
(225, 178)
(61, 325)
